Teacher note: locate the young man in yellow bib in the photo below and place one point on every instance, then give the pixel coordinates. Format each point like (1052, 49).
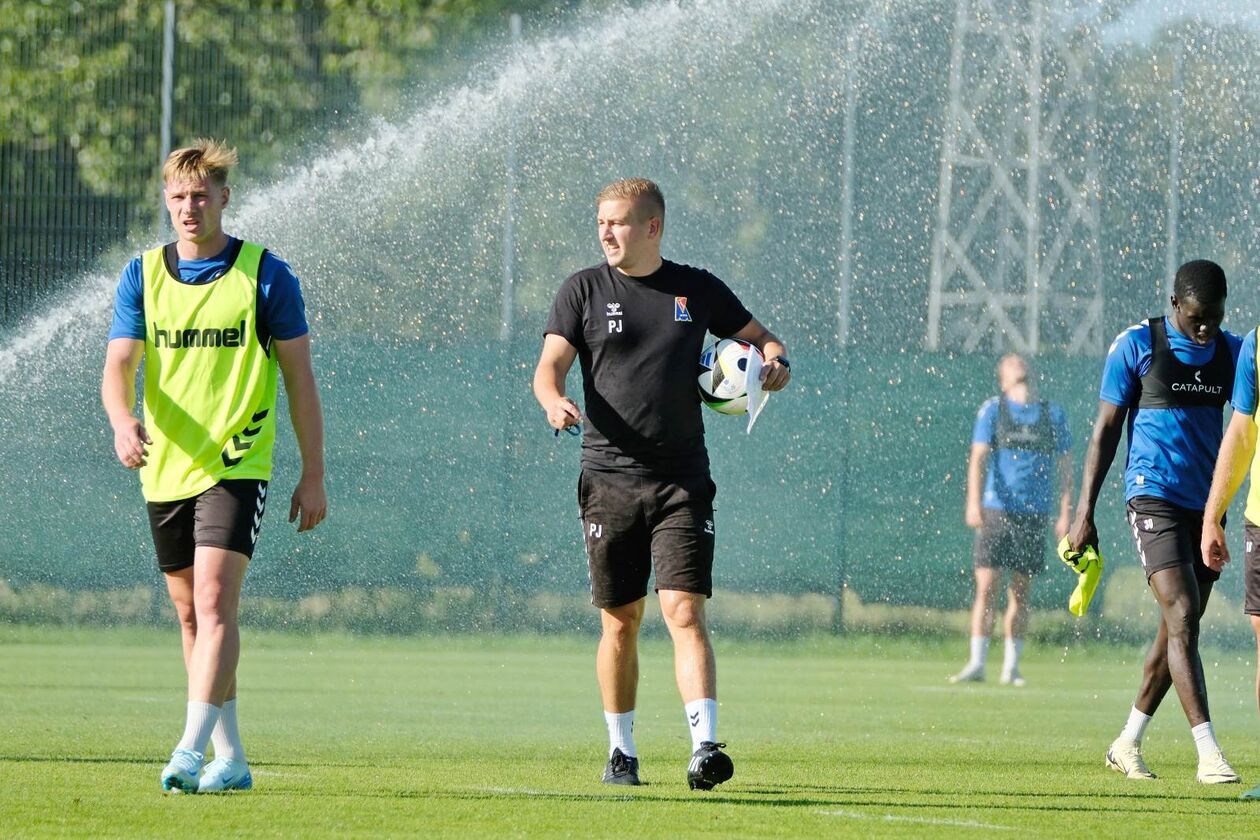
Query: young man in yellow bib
(216, 321)
(1237, 459)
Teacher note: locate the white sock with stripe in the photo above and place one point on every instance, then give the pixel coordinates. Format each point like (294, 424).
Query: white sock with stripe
(702, 719)
(621, 732)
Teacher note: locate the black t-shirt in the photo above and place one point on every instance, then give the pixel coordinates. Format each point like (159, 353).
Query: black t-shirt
(639, 340)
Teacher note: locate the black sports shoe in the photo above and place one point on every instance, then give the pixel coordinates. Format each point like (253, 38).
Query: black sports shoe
(622, 769)
(709, 766)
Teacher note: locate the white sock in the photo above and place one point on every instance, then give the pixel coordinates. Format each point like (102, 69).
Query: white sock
(1205, 740)
(979, 651)
(702, 718)
(197, 726)
(621, 732)
(226, 737)
(1136, 726)
(1010, 662)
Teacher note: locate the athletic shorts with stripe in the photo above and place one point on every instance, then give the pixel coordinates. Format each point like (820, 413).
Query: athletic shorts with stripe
(633, 524)
(1251, 569)
(1167, 535)
(228, 515)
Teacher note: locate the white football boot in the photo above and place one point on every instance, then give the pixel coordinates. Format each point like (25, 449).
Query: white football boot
(1125, 757)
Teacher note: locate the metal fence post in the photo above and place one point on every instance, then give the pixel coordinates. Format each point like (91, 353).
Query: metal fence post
(168, 89)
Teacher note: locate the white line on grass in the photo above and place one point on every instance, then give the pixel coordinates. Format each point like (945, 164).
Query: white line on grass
(857, 815)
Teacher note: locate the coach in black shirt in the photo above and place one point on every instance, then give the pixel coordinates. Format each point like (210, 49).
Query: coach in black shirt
(638, 323)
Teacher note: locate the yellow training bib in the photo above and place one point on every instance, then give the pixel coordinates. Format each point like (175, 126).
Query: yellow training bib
(209, 383)
(1252, 511)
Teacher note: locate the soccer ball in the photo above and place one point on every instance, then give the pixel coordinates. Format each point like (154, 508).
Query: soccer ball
(723, 375)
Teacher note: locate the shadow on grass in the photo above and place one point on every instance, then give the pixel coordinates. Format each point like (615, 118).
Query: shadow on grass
(790, 798)
(798, 796)
(70, 759)
(1061, 794)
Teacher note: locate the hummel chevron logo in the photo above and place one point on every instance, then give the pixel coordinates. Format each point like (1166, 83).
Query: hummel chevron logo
(258, 512)
(234, 453)
(695, 718)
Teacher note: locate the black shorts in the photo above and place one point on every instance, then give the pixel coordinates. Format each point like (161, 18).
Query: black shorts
(1251, 569)
(634, 523)
(1167, 536)
(1015, 541)
(228, 515)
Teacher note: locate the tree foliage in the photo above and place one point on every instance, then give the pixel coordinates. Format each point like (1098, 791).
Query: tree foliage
(88, 74)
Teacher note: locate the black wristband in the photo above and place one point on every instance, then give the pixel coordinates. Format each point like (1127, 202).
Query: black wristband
(783, 361)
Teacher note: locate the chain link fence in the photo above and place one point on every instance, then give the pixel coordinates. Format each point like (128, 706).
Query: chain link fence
(85, 114)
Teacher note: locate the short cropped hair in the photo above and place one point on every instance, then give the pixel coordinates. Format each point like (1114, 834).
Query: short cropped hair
(1202, 280)
(203, 159)
(1010, 357)
(635, 189)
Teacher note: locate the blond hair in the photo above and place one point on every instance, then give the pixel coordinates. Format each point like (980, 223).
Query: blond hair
(636, 190)
(203, 159)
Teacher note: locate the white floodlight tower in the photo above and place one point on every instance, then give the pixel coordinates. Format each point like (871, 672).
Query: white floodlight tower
(1015, 258)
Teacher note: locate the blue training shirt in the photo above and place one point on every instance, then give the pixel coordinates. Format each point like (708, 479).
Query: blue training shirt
(281, 310)
(1244, 398)
(1171, 451)
(1020, 480)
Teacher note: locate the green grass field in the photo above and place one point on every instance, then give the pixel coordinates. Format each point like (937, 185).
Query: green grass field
(504, 737)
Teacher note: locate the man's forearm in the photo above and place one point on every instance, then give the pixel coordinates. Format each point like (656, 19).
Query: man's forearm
(1098, 459)
(772, 347)
(975, 477)
(118, 395)
(1232, 463)
(548, 385)
(307, 416)
(1065, 485)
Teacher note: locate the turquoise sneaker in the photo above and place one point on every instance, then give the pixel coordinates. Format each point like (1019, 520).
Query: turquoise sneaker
(224, 774)
(180, 775)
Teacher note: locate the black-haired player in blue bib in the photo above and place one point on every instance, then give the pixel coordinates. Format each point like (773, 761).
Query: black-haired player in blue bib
(1167, 381)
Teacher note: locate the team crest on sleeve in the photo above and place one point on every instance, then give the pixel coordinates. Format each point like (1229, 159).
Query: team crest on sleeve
(680, 309)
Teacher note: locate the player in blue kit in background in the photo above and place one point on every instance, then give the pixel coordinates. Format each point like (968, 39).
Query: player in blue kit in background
(1021, 447)
(1167, 380)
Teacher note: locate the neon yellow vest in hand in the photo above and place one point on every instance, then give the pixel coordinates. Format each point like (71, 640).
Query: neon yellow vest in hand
(1252, 511)
(209, 385)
